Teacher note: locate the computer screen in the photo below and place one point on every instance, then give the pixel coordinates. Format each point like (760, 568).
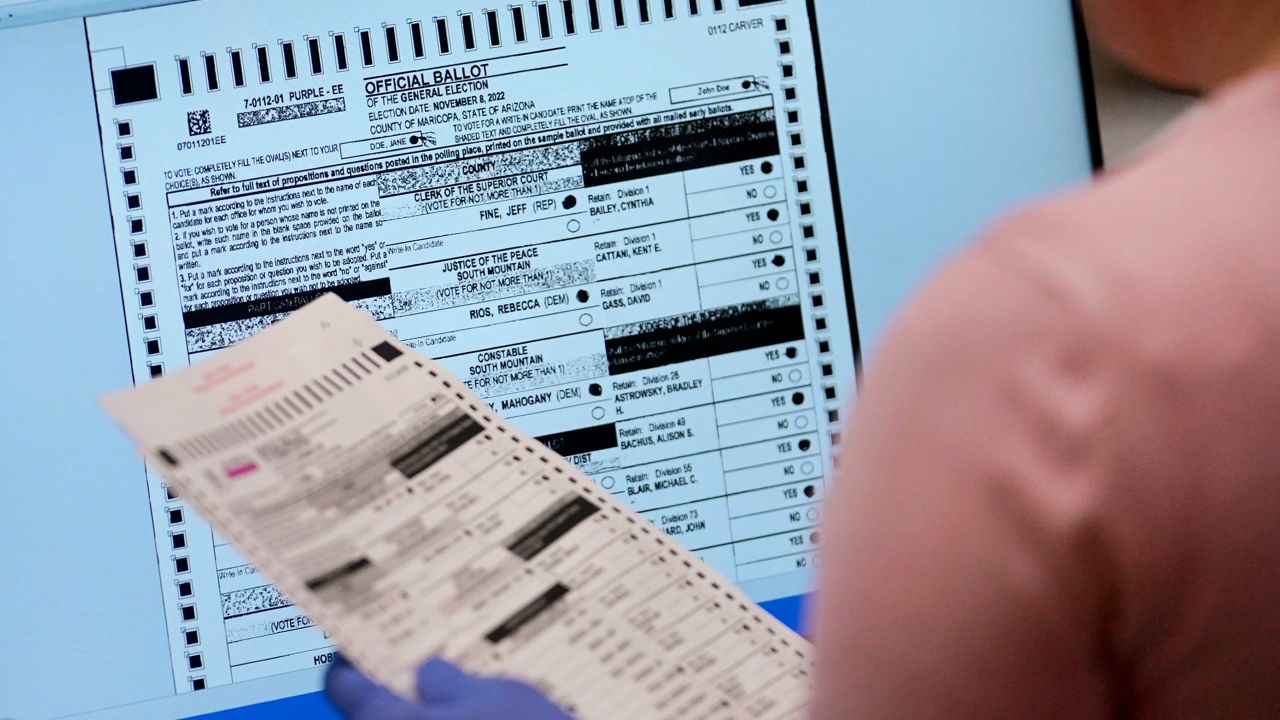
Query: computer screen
(656, 234)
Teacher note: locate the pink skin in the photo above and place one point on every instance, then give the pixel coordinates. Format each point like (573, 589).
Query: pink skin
(1058, 493)
(1191, 44)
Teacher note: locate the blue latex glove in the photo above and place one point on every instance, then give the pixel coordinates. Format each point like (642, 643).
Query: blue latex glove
(445, 692)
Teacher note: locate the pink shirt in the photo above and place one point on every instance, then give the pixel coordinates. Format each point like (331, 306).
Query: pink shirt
(1060, 497)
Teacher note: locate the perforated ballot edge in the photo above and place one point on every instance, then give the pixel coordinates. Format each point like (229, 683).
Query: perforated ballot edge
(179, 432)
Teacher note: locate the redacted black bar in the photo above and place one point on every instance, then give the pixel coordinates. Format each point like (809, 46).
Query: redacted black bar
(582, 440)
(338, 574)
(703, 334)
(551, 526)
(677, 147)
(527, 614)
(457, 430)
(289, 302)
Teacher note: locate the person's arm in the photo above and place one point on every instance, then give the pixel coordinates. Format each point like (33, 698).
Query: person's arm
(962, 562)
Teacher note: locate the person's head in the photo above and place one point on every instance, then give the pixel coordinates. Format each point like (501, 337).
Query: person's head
(1192, 44)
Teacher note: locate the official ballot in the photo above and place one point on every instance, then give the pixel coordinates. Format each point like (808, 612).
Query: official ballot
(409, 520)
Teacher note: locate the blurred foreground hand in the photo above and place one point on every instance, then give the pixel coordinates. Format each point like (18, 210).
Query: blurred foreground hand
(445, 692)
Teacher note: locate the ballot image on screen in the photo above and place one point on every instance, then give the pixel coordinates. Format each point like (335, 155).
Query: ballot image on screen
(615, 220)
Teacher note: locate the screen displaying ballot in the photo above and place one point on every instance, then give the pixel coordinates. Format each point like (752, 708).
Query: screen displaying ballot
(656, 235)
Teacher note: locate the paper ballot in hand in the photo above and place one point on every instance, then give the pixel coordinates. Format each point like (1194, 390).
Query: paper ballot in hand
(409, 521)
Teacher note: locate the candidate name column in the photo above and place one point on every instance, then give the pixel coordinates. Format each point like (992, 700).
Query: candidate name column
(746, 335)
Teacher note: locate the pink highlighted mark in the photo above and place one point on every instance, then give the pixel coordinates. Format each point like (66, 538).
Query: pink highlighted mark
(241, 470)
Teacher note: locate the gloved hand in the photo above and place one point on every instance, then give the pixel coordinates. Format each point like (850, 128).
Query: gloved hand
(445, 693)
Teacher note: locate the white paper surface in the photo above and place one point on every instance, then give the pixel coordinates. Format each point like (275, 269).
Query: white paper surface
(537, 210)
(409, 520)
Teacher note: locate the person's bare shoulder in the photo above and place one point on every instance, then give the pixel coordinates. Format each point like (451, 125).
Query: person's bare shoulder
(965, 542)
(1062, 466)
(1176, 253)
(1171, 266)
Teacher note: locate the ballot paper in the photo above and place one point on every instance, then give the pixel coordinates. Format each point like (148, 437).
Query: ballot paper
(409, 520)
(616, 222)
